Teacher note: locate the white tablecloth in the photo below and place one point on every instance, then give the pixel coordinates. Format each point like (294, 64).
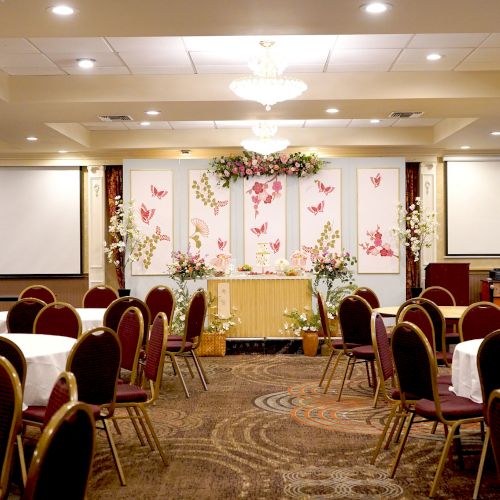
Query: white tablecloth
(46, 357)
(91, 318)
(464, 375)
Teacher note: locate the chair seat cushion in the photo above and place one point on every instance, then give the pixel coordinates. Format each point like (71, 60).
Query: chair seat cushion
(338, 344)
(364, 352)
(127, 393)
(453, 408)
(34, 413)
(175, 345)
(444, 379)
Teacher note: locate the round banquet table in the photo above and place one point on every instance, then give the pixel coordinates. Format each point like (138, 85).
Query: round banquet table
(449, 312)
(464, 375)
(91, 318)
(46, 357)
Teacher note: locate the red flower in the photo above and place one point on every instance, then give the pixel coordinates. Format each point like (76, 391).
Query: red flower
(258, 188)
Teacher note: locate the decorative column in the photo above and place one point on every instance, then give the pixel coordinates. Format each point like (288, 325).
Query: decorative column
(96, 225)
(428, 197)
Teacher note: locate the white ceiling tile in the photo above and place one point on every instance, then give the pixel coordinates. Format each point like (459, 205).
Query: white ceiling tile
(16, 46)
(33, 71)
(492, 41)
(105, 125)
(102, 59)
(415, 59)
(25, 61)
(235, 123)
(446, 40)
(227, 69)
(305, 68)
(159, 70)
(146, 43)
(289, 123)
(177, 125)
(341, 123)
(416, 122)
(372, 41)
(219, 58)
(482, 59)
(155, 58)
(105, 70)
(384, 122)
(362, 60)
(159, 125)
(71, 45)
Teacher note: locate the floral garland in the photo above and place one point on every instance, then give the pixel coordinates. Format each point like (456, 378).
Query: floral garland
(227, 168)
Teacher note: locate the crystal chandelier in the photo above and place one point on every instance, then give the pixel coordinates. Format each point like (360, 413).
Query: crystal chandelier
(265, 143)
(267, 85)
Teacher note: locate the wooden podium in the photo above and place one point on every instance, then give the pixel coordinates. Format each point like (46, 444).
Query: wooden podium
(453, 276)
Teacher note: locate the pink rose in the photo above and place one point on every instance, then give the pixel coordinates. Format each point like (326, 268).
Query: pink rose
(235, 170)
(248, 171)
(258, 187)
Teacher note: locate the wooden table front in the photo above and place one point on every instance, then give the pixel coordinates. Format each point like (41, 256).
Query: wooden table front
(259, 302)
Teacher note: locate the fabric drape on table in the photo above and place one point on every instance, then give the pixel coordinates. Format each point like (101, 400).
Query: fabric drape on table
(412, 181)
(114, 187)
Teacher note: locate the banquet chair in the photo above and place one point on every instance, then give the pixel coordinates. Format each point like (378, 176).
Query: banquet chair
(494, 425)
(11, 351)
(161, 299)
(354, 318)
(99, 296)
(115, 310)
(478, 320)
(38, 292)
(488, 355)
(95, 362)
(58, 318)
(64, 391)
(131, 334)
(62, 461)
(11, 402)
(133, 397)
(439, 295)
(416, 372)
(369, 295)
(22, 314)
(193, 329)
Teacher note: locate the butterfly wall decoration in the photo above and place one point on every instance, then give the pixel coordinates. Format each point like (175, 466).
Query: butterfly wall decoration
(376, 180)
(259, 230)
(322, 188)
(315, 210)
(146, 215)
(156, 193)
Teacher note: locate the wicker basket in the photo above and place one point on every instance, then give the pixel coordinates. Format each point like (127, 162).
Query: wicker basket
(212, 344)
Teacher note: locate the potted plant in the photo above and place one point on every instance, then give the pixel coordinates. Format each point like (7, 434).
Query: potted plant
(305, 324)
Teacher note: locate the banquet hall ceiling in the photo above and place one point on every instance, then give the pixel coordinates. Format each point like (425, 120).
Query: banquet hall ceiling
(179, 57)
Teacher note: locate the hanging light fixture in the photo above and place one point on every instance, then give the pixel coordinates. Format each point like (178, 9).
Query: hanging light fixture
(265, 143)
(267, 85)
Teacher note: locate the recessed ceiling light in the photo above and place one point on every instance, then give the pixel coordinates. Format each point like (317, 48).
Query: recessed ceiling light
(185, 152)
(464, 147)
(145, 124)
(32, 138)
(376, 7)
(152, 112)
(332, 110)
(375, 120)
(62, 151)
(86, 62)
(434, 56)
(495, 132)
(62, 10)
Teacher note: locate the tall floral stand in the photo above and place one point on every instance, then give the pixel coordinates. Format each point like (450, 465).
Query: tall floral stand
(310, 342)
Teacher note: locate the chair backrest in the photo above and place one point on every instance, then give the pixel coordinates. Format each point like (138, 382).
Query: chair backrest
(478, 320)
(131, 333)
(62, 460)
(114, 312)
(161, 299)
(11, 351)
(38, 292)
(99, 296)
(64, 391)
(22, 314)
(488, 356)
(354, 318)
(11, 401)
(155, 355)
(195, 318)
(381, 349)
(58, 318)
(323, 316)
(369, 295)
(95, 361)
(416, 314)
(413, 359)
(494, 425)
(440, 295)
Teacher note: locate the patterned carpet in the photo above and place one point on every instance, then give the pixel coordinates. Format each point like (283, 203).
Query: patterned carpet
(265, 431)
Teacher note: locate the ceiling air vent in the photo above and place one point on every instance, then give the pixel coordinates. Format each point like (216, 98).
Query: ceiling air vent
(115, 118)
(406, 114)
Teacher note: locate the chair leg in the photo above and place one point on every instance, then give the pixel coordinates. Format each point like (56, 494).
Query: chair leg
(377, 391)
(145, 414)
(339, 355)
(197, 364)
(479, 476)
(22, 461)
(398, 424)
(136, 427)
(384, 433)
(188, 366)
(114, 453)
(444, 454)
(401, 447)
(176, 368)
(343, 380)
(144, 428)
(374, 375)
(200, 364)
(325, 369)
(368, 375)
(117, 427)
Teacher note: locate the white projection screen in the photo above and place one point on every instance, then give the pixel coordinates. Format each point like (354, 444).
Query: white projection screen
(472, 208)
(40, 221)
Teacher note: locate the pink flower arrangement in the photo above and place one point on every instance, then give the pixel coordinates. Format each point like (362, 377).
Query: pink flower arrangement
(333, 266)
(228, 168)
(188, 266)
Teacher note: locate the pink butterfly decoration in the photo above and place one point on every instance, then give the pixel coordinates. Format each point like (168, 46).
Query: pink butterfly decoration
(259, 230)
(155, 192)
(324, 189)
(316, 210)
(376, 180)
(163, 237)
(222, 244)
(146, 215)
(275, 246)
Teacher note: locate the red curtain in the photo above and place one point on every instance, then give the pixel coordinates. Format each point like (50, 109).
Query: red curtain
(412, 191)
(114, 187)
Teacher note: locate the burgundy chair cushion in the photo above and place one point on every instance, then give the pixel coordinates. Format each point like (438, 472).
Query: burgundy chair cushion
(453, 408)
(364, 352)
(126, 393)
(34, 413)
(444, 379)
(175, 345)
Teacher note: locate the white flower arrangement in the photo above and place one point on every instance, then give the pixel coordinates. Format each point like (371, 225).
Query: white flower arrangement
(417, 227)
(282, 265)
